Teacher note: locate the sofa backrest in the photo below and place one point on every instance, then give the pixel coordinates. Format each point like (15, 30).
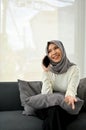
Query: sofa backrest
(9, 96)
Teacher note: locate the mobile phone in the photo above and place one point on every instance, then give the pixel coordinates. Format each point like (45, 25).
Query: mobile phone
(46, 61)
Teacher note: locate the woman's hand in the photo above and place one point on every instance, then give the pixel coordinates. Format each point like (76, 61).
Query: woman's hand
(71, 101)
(45, 68)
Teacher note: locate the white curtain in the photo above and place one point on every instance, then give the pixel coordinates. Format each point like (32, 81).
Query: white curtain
(25, 28)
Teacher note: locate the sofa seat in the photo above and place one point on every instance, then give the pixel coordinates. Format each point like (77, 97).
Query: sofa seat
(11, 117)
(79, 123)
(15, 120)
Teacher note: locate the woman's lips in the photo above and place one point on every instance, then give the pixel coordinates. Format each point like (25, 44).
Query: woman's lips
(56, 57)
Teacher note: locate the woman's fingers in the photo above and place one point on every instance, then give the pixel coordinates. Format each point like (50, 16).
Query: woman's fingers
(71, 101)
(73, 105)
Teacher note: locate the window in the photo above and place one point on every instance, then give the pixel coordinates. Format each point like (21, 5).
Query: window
(25, 28)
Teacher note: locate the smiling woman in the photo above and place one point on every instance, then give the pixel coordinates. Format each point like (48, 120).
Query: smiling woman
(60, 76)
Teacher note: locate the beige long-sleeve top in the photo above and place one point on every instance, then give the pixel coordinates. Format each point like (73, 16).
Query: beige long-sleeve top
(66, 82)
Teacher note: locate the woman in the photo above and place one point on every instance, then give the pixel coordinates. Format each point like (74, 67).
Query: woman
(62, 76)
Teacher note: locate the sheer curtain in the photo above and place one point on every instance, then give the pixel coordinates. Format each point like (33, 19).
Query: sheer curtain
(27, 25)
(80, 43)
(84, 58)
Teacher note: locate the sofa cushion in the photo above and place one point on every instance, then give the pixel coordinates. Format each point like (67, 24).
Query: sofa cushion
(28, 89)
(15, 120)
(46, 100)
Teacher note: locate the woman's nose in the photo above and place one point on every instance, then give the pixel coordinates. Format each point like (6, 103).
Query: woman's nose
(53, 51)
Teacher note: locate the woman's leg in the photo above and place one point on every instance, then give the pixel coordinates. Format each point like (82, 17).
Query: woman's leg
(52, 121)
(50, 117)
(55, 118)
(65, 118)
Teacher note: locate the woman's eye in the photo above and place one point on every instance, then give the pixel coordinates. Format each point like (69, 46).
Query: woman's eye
(56, 47)
(49, 51)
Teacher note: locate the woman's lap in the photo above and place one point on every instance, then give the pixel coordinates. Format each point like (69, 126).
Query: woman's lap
(55, 117)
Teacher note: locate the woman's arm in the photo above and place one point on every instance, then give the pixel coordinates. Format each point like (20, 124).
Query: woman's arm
(73, 82)
(47, 84)
(70, 96)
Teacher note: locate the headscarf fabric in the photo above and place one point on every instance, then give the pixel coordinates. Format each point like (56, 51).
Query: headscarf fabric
(64, 64)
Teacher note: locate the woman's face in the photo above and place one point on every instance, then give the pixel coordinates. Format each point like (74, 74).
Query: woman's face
(54, 53)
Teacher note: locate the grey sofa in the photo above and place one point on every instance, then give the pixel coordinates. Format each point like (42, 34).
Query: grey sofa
(11, 117)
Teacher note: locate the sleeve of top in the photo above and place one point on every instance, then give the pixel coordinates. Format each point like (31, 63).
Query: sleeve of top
(47, 84)
(73, 82)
